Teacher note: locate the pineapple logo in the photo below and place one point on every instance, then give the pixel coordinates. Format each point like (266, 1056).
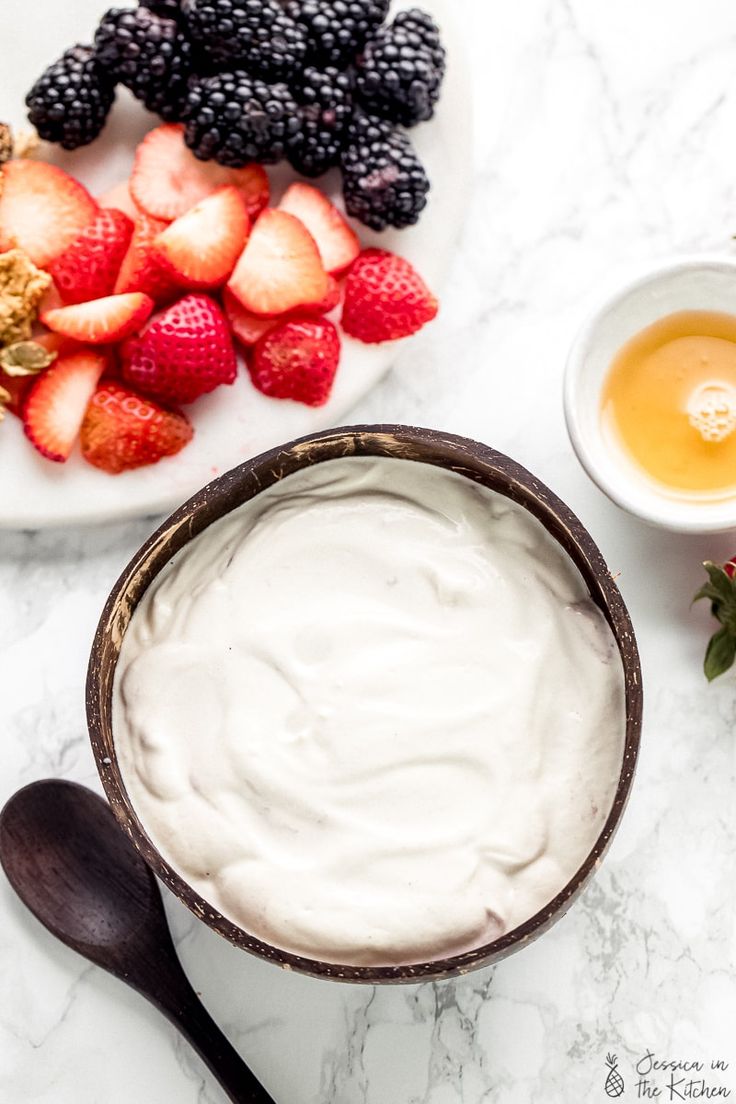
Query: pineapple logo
(614, 1082)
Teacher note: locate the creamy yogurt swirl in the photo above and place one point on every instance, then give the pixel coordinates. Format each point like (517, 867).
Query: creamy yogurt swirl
(372, 715)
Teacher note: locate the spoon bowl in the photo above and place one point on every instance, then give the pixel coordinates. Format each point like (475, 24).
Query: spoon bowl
(103, 899)
(78, 873)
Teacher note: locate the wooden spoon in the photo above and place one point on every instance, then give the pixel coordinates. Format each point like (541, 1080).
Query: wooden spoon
(70, 863)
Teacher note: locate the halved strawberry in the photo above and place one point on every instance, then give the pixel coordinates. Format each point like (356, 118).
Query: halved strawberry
(280, 267)
(337, 242)
(103, 320)
(142, 269)
(123, 430)
(186, 352)
(120, 198)
(385, 298)
(297, 360)
(42, 209)
(248, 327)
(201, 247)
(55, 407)
(168, 179)
(88, 267)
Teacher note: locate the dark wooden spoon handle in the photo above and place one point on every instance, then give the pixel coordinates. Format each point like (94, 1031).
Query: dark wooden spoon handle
(185, 1010)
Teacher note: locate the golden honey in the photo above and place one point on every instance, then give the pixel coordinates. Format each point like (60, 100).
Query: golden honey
(670, 400)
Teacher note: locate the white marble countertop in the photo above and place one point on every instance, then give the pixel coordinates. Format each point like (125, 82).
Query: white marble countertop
(606, 139)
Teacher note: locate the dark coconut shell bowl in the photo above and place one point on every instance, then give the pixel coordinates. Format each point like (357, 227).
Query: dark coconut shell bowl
(472, 460)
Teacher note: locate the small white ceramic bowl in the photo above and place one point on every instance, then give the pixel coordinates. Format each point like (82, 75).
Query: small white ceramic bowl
(693, 283)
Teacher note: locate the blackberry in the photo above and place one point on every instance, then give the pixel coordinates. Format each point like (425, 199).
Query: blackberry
(70, 101)
(170, 8)
(235, 119)
(384, 182)
(401, 71)
(255, 34)
(325, 108)
(337, 29)
(149, 55)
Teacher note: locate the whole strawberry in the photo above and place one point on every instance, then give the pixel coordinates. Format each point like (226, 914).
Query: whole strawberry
(721, 592)
(297, 360)
(385, 298)
(186, 351)
(88, 268)
(123, 430)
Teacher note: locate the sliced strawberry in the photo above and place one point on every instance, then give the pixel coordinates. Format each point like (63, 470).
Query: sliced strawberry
(103, 320)
(337, 242)
(120, 198)
(88, 268)
(385, 298)
(331, 298)
(280, 268)
(42, 209)
(54, 409)
(168, 179)
(123, 430)
(201, 247)
(17, 387)
(141, 269)
(55, 343)
(248, 327)
(51, 300)
(297, 360)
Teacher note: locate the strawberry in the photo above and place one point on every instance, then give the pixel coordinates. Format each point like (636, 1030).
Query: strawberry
(53, 342)
(201, 247)
(120, 198)
(142, 269)
(123, 430)
(720, 590)
(102, 321)
(88, 267)
(16, 389)
(248, 327)
(55, 406)
(51, 300)
(168, 179)
(185, 352)
(280, 268)
(42, 209)
(385, 298)
(331, 299)
(297, 360)
(337, 242)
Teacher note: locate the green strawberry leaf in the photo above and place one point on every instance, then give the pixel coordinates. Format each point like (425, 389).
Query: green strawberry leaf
(707, 591)
(720, 655)
(720, 581)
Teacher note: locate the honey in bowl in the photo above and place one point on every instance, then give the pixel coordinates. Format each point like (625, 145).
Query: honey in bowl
(670, 401)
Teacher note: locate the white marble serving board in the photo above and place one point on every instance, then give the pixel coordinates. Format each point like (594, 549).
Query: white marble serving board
(235, 422)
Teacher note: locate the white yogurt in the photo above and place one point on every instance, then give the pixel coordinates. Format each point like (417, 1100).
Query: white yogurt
(372, 715)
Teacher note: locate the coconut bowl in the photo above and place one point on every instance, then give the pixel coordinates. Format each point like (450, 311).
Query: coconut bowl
(473, 461)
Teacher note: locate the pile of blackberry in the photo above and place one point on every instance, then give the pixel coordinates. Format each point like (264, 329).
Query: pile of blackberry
(319, 83)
